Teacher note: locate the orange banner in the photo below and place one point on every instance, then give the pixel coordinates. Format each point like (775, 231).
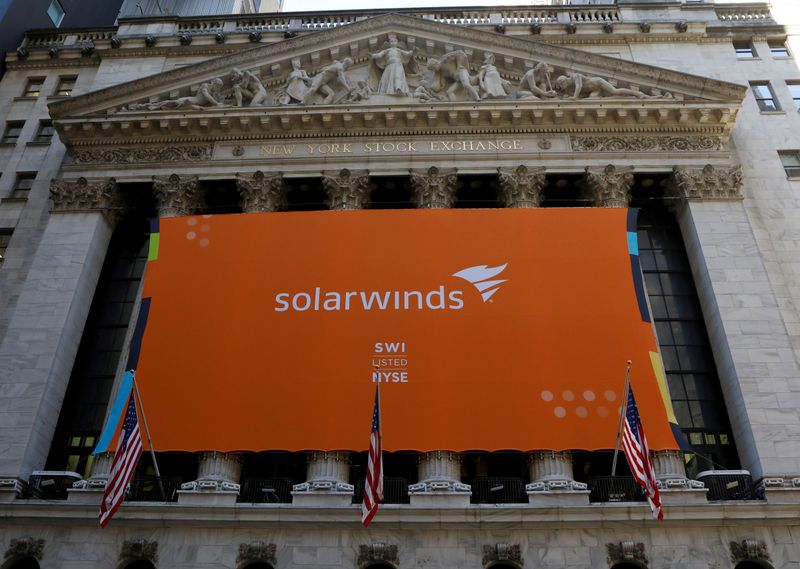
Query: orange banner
(489, 329)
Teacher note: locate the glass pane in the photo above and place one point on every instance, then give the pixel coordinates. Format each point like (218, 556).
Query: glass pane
(790, 160)
(693, 358)
(659, 308)
(762, 92)
(683, 307)
(682, 414)
(767, 105)
(689, 333)
(677, 283)
(675, 383)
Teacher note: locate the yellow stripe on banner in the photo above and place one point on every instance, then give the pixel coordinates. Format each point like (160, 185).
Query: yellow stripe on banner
(658, 369)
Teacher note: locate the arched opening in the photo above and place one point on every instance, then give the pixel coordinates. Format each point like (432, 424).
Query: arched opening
(502, 566)
(629, 565)
(24, 563)
(751, 564)
(380, 566)
(256, 565)
(139, 564)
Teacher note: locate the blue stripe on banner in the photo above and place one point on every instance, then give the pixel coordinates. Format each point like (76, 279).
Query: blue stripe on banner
(138, 334)
(633, 243)
(120, 404)
(155, 225)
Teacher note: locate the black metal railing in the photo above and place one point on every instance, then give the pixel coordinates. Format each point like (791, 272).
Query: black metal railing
(266, 491)
(615, 489)
(395, 491)
(153, 489)
(730, 485)
(498, 490)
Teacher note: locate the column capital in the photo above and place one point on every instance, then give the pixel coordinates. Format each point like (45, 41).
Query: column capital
(521, 186)
(610, 185)
(176, 195)
(261, 192)
(84, 195)
(434, 188)
(707, 183)
(347, 189)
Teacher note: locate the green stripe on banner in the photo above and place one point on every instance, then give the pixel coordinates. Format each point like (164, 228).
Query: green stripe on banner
(152, 253)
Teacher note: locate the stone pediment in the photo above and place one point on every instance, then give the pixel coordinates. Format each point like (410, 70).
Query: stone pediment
(401, 75)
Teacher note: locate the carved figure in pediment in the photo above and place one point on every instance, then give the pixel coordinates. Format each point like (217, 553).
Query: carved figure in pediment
(331, 78)
(360, 92)
(492, 85)
(208, 95)
(535, 84)
(247, 84)
(451, 79)
(576, 85)
(297, 85)
(387, 69)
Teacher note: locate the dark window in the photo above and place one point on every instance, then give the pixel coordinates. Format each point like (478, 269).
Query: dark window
(744, 49)
(778, 48)
(12, 132)
(56, 12)
(794, 91)
(45, 133)
(765, 97)
(23, 184)
(25, 563)
(5, 239)
(33, 88)
(688, 362)
(791, 162)
(65, 86)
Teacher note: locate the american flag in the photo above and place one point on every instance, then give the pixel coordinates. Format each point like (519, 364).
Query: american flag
(373, 486)
(129, 448)
(638, 454)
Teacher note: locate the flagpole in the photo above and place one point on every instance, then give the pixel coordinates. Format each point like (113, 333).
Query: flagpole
(622, 410)
(147, 433)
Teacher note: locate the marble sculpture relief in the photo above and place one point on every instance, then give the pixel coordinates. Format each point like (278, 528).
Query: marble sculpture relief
(401, 73)
(387, 69)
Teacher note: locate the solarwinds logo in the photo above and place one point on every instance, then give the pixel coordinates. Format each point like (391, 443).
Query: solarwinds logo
(482, 277)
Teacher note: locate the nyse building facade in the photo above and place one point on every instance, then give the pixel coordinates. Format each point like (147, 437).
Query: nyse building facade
(193, 161)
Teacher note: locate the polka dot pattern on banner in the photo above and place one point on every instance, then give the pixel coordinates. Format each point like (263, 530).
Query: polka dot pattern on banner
(587, 403)
(191, 234)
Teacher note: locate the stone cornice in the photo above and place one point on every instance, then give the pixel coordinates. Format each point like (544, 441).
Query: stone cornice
(586, 118)
(340, 38)
(753, 513)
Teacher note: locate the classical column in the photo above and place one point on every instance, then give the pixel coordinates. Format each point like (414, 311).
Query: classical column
(176, 195)
(610, 186)
(434, 188)
(261, 192)
(45, 328)
(327, 473)
(751, 345)
(347, 189)
(521, 187)
(439, 472)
